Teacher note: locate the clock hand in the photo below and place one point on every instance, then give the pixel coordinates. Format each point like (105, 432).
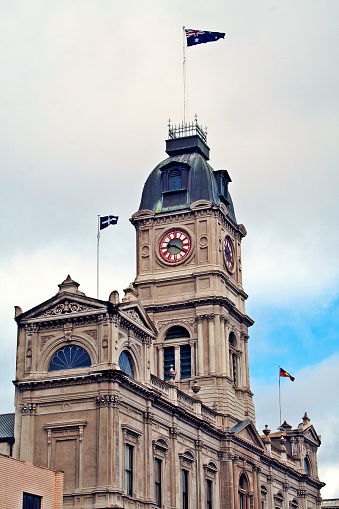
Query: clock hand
(177, 247)
(172, 245)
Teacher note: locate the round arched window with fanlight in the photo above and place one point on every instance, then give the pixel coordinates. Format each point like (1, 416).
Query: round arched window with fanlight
(70, 357)
(126, 363)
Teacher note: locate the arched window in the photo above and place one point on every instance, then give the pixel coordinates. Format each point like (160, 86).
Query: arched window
(126, 364)
(307, 466)
(174, 180)
(294, 504)
(70, 357)
(243, 489)
(278, 500)
(176, 332)
(233, 358)
(179, 336)
(263, 496)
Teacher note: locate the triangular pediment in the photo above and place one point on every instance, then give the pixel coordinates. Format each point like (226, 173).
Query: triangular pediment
(62, 306)
(135, 313)
(312, 436)
(246, 432)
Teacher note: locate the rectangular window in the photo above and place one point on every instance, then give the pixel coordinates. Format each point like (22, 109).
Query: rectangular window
(174, 180)
(184, 475)
(128, 469)
(168, 361)
(209, 494)
(185, 361)
(31, 501)
(157, 480)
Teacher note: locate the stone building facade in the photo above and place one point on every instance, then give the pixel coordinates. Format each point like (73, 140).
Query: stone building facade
(146, 402)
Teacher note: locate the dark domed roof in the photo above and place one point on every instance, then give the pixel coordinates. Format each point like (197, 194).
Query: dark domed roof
(198, 182)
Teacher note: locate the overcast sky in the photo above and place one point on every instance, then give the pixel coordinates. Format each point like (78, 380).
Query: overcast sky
(87, 87)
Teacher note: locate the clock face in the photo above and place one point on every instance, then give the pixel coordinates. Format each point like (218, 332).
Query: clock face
(175, 246)
(229, 254)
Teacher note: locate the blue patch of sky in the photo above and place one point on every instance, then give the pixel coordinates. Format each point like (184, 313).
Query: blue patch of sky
(291, 338)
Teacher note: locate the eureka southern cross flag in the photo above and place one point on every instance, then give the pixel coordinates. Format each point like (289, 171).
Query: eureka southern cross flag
(107, 220)
(285, 374)
(194, 37)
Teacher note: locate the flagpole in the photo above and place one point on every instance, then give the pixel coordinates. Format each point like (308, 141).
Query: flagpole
(279, 399)
(98, 237)
(184, 46)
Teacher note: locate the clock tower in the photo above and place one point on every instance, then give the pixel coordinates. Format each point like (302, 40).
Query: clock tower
(189, 276)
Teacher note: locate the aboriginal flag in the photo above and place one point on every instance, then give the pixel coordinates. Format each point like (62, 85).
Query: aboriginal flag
(285, 374)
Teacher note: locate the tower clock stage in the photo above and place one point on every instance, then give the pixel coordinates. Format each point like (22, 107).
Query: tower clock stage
(189, 274)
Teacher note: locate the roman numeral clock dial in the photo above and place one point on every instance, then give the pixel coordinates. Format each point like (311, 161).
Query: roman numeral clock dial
(229, 254)
(175, 246)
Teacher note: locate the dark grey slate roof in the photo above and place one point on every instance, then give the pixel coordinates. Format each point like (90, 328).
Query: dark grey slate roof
(201, 184)
(7, 425)
(238, 426)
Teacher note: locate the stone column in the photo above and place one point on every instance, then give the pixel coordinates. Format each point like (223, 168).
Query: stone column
(223, 346)
(245, 337)
(116, 473)
(211, 345)
(270, 499)
(235, 482)
(217, 346)
(302, 498)
(175, 477)
(81, 456)
(243, 366)
(160, 370)
(200, 320)
(177, 362)
(238, 368)
(285, 502)
(227, 348)
(255, 488)
(28, 411)
(193, 362)
(230, 496)
(258, 470)
(103, 446)
(148, 453)
(200, 473)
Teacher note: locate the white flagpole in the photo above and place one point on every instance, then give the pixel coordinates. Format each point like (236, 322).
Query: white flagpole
(279, 399)
(98, 237)
(185, 74)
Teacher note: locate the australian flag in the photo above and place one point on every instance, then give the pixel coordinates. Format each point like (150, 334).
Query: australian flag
(198, 37)
(107, 220)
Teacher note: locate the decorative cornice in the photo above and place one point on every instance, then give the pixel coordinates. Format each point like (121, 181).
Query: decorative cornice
(195, 303)
(165, 218)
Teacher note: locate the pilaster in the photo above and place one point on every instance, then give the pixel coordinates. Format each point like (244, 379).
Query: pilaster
(200, 320)
(211, 344)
